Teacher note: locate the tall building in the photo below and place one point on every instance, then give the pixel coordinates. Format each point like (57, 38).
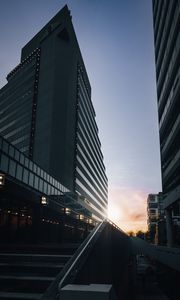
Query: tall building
(166, 16)
(47, 113)
(155, 214)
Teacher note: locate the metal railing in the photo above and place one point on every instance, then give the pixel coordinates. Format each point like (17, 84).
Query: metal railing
(101, 258)
(72, 266)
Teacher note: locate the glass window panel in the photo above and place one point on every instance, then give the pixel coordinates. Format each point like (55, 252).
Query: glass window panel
(45, 188)
(38, 171)
(31, 165)
(42, 173)
(31, 179)
(12, 168)
(19, 172)
(55, 183)
(36, 182)
(17, 154)
(45, 176)
(41, 185)
(26, 162)
(22, 159)
(25, 176)
(1, 141)
(4, 163)
(48, 177)
(35, 168)
(5, 146)
(49, 190)
(50, 180)
(11, 151)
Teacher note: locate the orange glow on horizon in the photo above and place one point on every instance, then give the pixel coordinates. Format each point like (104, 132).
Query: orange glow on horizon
(128, 209)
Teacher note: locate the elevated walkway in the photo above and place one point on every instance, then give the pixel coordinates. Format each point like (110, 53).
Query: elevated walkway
(166, 255)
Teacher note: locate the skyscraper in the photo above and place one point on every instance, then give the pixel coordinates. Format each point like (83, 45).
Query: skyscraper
(166, 16)
(47, 113)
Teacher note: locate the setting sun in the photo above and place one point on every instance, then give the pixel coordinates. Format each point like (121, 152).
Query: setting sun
(127, 209)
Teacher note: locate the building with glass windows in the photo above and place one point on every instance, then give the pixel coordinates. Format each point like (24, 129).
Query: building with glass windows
(34, 206)
(156, 219)
(166, 17)
(47, 113)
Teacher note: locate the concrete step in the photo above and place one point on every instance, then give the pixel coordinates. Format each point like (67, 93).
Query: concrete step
(27, 272)
(19, 296)
(31, 257)
(67, 248)
(31, 268)
(24, 284)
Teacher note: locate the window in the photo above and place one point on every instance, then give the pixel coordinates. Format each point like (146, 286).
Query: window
(12, 168)
(11, 151)
(5, 146)
(22, 159)
(41, 185)
(26, 162)
(36, 182)
(4, 163)
(152, 211)
(31, 179)
(19, 172)
(25, 176)
(17, 154)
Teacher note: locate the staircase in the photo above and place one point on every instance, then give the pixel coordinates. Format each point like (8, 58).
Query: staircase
(27, 271)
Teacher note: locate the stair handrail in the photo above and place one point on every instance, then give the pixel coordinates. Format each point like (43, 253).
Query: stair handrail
(82, 251)
(77, 259)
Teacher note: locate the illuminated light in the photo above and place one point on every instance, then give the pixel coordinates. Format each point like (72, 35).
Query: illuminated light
(2, 180)
(67, 210)
(44, 200)
(81, 217)
(22, 215)
(90, 221)
(9, 211)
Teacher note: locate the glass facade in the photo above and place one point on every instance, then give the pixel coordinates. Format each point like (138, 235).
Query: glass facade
(167, 54)
(18, 103)
(90, 177)
(34, 205)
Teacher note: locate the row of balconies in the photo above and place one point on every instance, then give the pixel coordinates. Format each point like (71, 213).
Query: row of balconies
(166, 38)
(171, 137)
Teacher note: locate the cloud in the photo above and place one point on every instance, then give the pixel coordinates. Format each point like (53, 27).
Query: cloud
(127, 208)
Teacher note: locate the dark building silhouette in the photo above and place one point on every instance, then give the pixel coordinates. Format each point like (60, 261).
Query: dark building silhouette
(166, 16)
(47, 113)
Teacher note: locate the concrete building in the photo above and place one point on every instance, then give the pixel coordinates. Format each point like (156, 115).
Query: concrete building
(47, 113)
(166, 17)
(156, 218)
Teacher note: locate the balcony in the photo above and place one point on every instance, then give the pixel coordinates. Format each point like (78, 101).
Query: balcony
(172, 166)
(173, 134)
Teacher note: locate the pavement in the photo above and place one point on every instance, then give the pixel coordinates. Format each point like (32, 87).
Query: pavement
(146, 285)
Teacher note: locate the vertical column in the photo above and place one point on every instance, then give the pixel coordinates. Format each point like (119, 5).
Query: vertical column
(169, 227)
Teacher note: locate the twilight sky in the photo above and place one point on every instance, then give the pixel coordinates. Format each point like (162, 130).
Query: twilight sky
(116, 41)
